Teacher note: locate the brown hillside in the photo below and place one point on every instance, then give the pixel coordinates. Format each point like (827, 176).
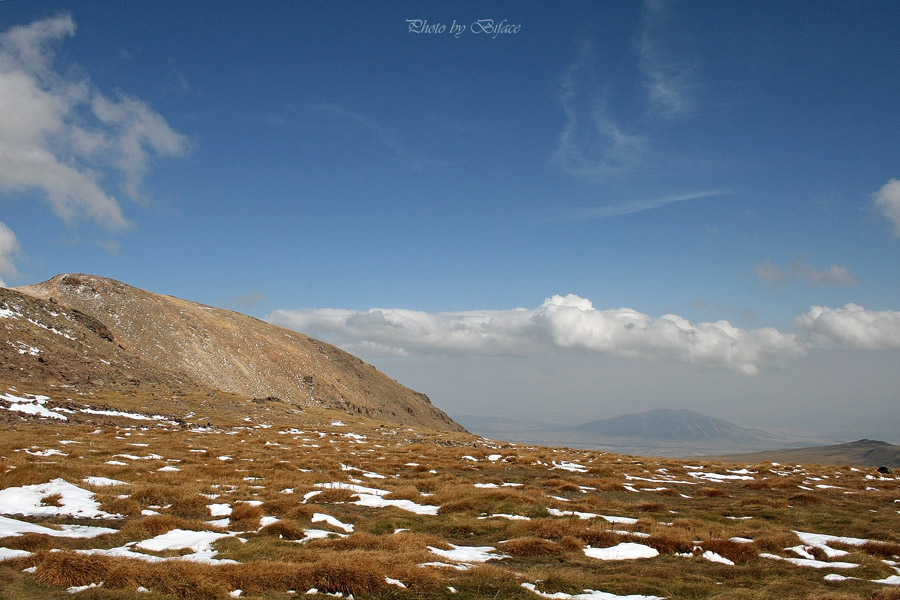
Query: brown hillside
(220, 349)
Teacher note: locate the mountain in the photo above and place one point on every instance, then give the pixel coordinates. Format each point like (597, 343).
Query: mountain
(86, 329)
(680, 425)
(864, 453)
(661, 432)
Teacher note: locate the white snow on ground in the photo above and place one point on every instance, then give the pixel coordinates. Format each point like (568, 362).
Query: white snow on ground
(133, 457)
(372, 497)
(176, 539)
(337, 485)
(467, 554)
(7, 554)
(667, 479)
(74, 501)
(892, 580)
(115, 413)
(198, 541)
(13, 527)
(623, 551)
(204, 555)
(320, 517)
(569, 466)
(717, 558)
(555, 512)
(23, 348)
(506, 516)
(309, 495)
(368, 474)
(374, 501)
(102, 481)
(718, 476)
(47, 452)
(587, 595)
(219, 510)
(808, 562)
(75, 589)
(32, 406)
(820, 540)
(318, 534)
(396, 582)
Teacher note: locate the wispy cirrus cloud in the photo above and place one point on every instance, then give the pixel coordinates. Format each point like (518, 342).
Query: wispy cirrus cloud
(633, 206)
(592, 144)
(385, 136)
(63, 138)
(834, 276)
(561, 323)
(669, 83)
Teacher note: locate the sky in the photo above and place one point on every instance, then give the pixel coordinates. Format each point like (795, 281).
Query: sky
(556, 212)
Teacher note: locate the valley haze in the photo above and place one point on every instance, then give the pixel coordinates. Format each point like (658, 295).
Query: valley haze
(604, 209)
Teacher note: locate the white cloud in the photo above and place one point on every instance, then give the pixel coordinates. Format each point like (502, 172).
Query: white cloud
(668, 83)
(592, 144)
(852, 326)
(887, 199)
(9, 247)
(568, 323)
(835, 276)
(63, 138)
(385, 136)
(633, 206)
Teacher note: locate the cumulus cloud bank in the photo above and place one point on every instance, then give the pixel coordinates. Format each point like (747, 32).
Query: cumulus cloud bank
(836, 275)
(852, 326)
(887, 199)
(9, 246)
(61, 137)
(560, 323)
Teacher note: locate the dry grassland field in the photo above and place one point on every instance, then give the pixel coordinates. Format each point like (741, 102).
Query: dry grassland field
(217, 496)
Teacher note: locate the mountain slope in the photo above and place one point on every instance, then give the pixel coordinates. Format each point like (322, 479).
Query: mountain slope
(866, 453)
(224, 350)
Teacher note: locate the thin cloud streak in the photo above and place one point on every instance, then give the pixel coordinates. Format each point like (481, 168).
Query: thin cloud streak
(634, 206)
(834, 276)
(385, 136)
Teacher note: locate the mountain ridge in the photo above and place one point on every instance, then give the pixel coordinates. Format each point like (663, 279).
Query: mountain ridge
(670, 425)
(224, 350)
(864, 452)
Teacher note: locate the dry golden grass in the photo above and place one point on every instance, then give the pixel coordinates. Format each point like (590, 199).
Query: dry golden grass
(66, 569)
(265, 473)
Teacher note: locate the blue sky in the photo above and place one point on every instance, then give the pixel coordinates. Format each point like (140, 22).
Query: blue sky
(664, 190)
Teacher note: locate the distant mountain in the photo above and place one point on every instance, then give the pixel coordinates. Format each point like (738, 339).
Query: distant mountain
(668, 425)
(89, 330)
(862, 453)
(661, 432)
